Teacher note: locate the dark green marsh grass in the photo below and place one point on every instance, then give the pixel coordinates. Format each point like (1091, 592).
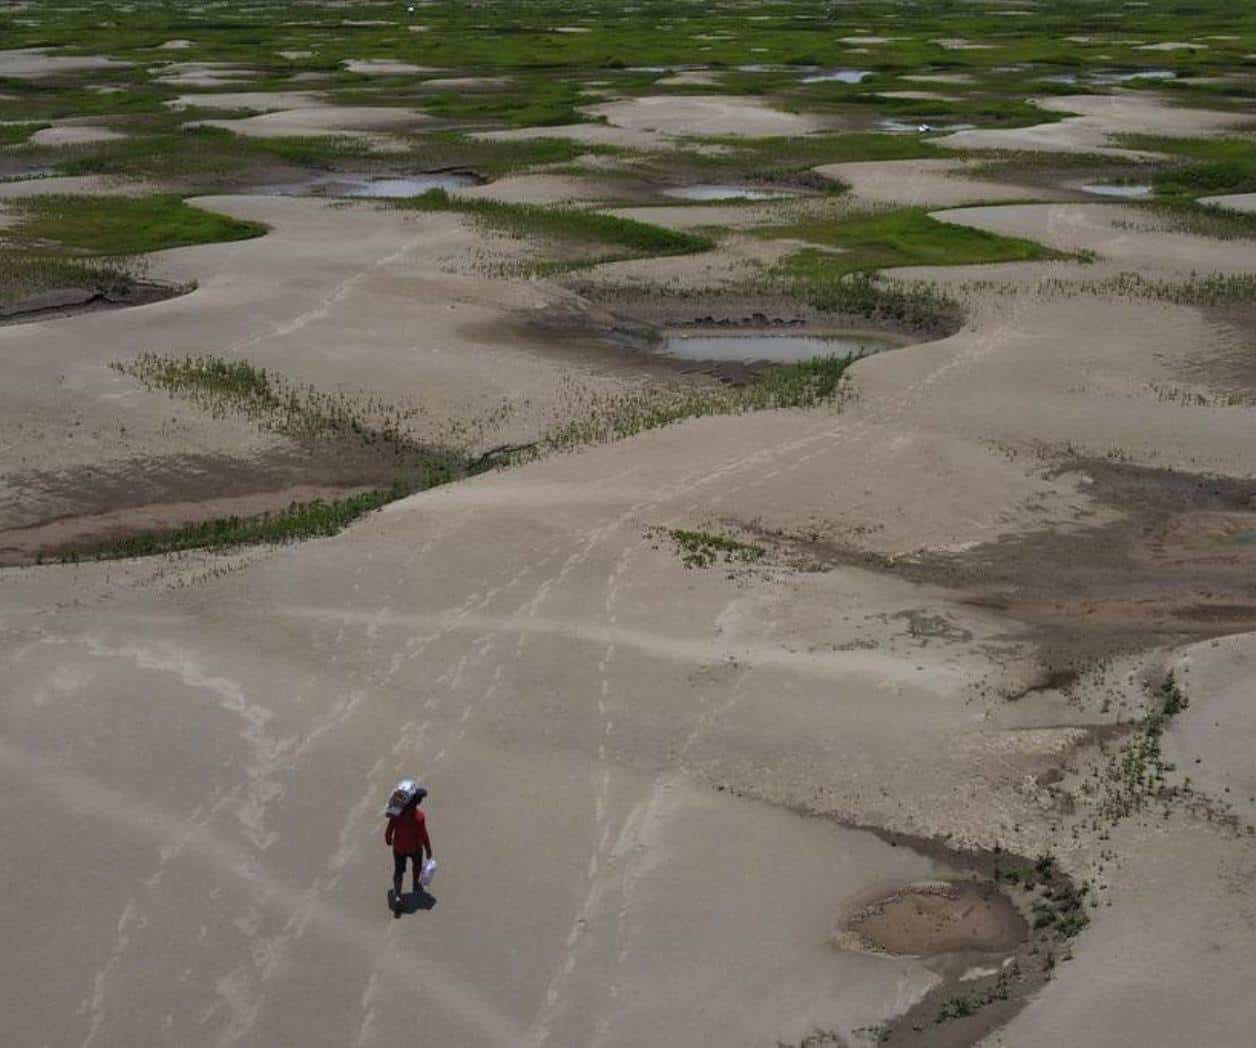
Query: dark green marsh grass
(563, 223)
(1204, 166)
(300, 520)
(119, 225)
(900, 237)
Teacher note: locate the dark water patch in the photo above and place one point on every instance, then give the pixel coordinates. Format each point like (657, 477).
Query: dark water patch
(754, 346)
(344, 184)
(1122, 192)
(708, 192)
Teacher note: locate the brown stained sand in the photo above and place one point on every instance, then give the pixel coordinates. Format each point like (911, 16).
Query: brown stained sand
(931, 918)
(706, 115)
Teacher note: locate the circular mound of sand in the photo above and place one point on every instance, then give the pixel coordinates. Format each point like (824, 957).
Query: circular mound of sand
(704, 115)
(31, 63)
(932, 918)
(74, 135)
(384, 67)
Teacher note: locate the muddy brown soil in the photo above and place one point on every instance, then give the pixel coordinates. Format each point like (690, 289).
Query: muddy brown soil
(748, 308)
(934, 918)
(621, 332)
(70, 302)
(1177, 564)
(75, 510)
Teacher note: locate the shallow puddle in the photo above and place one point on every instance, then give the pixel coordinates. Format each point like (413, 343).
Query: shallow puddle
(749, 347)
(841, 76)
(722, 192)
(1138, 74)
(349, 185)
(903, 127)
(1125, 192)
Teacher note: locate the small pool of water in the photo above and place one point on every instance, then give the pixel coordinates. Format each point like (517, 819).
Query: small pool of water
(721, 192)
(410, 186)
(1130, 192)
(342, 184)
(841, 76)
(917, 127)
(1138, 74)
(748, 347)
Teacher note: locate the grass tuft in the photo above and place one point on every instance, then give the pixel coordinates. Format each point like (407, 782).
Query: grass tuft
(702, 549)
(901, 237)
(564, 224)
(118, 225)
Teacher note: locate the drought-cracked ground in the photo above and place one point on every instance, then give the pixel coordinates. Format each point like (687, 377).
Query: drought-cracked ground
(918, 715)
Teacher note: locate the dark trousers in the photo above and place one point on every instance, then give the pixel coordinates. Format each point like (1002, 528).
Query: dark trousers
(399, 865)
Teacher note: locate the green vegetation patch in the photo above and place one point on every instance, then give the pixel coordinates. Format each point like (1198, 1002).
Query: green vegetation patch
(806, 384)
(702, 549)
(563, 223)
(120, 225)
(300, 520)
(1194, 218)
(901, 237)
(15, 134)
(1208, 166)
(790, 159)
(1138, 774)
(542, 103)
(23, 277)
(222, 386)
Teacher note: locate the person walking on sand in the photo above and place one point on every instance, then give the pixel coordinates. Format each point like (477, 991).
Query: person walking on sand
(407, 833)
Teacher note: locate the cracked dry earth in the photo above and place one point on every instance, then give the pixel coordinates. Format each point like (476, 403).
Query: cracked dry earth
(654, 790)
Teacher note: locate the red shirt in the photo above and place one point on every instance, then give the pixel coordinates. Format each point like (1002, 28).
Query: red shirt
(407, 832)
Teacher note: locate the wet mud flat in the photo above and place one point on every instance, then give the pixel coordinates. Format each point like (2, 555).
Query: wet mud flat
(732, 349)
(1177, 564)
(751, 309)
(67, 302)
(54, 515)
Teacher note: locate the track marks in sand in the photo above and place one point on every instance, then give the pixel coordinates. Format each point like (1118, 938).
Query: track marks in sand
(696, 651)
(338, 294)
(68, 790)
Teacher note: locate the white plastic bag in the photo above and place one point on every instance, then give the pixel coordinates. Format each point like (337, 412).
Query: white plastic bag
(428, 872)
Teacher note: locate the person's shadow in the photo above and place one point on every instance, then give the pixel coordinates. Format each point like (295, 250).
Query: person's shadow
(410, 902)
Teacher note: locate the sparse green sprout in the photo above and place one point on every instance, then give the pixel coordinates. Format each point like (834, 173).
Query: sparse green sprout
(701, 549)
